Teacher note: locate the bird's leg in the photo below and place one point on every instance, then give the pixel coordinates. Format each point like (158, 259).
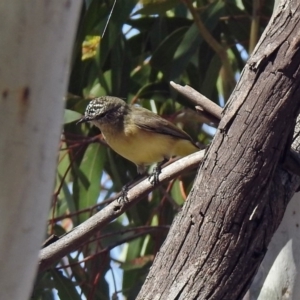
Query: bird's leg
(154, 177)
(123, 197)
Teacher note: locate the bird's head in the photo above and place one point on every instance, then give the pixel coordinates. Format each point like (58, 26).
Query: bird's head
(104, 110)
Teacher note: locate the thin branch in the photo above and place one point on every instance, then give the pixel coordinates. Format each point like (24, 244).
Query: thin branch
(207, 36)
(110, 247)
(137, 229)
(211, 110)
(212, 42)
(80, 234)
(254, 32)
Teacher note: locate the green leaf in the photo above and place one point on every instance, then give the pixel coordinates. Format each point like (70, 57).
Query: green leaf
(154, 88)
(43, 287)
(119, 16)
(87, 184)
(156, 7)
(176, 193)
(71, 116)
(212, 73)
(192, 39)
(162, 58)
(65, 286)
(68, 197)
(187, 47)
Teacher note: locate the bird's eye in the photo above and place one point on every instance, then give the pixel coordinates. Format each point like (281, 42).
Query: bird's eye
(108, 114)
(101, 115)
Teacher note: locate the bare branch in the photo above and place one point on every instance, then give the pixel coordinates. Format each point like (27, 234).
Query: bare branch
(211, 110)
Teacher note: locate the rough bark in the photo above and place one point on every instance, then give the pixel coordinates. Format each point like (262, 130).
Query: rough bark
(217, 243)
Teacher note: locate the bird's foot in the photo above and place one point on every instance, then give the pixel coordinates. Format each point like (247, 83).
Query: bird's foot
(154, 177)
(123, 197)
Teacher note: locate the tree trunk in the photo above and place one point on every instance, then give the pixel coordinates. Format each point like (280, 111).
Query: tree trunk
(36, 42)
(239, 197)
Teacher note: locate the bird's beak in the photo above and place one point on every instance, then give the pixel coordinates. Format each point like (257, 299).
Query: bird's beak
(82, 120)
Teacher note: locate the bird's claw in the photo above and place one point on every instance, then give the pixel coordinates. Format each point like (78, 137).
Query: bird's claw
(154, 177)
(123, 197)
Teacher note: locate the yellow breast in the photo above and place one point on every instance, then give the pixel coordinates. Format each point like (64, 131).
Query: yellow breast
(145, 147)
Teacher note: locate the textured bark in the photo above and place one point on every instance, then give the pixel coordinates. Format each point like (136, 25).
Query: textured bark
(217, 243)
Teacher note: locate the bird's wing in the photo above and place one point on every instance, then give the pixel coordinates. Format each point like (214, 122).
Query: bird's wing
(149, 121)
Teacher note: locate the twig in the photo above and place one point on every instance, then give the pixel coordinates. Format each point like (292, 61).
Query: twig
(211, 110)
(110, 247)
(254, 32)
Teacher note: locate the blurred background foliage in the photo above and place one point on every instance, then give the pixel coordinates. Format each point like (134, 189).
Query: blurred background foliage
(146, 44)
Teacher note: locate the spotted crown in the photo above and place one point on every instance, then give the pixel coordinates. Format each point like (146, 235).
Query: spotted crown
(95, 107)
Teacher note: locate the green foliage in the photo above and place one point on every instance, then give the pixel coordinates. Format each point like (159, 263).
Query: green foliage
(144, 47)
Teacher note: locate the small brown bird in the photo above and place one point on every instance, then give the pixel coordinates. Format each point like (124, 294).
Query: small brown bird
(136, 133)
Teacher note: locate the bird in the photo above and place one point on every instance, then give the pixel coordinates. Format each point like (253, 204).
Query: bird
(136, 133)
